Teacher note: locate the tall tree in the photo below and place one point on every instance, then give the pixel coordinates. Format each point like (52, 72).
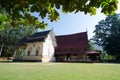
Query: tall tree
(22, 8)
(10, 35)
(107, 34)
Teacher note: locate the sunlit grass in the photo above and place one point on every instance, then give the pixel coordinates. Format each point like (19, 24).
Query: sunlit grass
(59, 71)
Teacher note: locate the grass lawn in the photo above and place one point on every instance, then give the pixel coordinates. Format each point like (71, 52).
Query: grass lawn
(59, 71)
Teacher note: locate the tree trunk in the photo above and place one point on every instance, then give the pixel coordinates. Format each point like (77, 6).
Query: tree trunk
(1, 49)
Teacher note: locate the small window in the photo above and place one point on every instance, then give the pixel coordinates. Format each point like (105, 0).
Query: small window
(37, 53)
(74, 54)
(28, 53)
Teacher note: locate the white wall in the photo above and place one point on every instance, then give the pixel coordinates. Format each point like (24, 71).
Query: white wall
(48, 50)
(46, 53)
(32, 48)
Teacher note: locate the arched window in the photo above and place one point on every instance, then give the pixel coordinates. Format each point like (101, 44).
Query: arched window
(29, 51)
(37, 51)
(28, 54)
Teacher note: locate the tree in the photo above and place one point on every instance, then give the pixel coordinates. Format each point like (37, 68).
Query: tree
(91, 47)
(107, 34)
(22, 9)
(10, 35)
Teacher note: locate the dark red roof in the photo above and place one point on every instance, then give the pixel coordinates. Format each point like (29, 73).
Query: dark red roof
(78, 40)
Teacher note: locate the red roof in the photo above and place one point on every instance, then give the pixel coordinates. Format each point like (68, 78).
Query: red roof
(78, 40)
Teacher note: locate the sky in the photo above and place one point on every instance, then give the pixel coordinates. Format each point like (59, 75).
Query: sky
(74, 23)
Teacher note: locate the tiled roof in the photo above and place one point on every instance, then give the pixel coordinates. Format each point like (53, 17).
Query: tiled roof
(78, 40)
(38, 36)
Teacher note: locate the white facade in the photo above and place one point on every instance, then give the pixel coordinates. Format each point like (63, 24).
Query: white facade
(39, 51)
(48, 50)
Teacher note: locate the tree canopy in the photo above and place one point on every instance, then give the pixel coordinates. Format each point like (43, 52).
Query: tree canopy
(21, 10)
(107, 34)
(10, 35)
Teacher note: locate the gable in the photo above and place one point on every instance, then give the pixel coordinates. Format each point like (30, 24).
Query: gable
(78, 40)
(53, 38)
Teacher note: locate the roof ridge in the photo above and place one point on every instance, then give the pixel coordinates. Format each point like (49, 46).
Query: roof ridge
(42, 31)
(71, 34)
(35, 37)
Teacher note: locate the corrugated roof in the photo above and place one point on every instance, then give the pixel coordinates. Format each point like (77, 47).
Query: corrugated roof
(78, 40)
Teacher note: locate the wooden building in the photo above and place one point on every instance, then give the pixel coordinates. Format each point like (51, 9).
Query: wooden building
(74, 48)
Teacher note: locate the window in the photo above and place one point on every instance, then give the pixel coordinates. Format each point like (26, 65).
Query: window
(74, 54)
(37, 52)
(28, 53)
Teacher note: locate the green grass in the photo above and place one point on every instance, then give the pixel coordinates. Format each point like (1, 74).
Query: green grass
(59, 71)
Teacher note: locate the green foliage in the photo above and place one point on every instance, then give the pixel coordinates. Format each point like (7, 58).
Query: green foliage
(91, 47)
(10, 35)
(3, 18)
(105, 57)
(107, 34)
(21, 9)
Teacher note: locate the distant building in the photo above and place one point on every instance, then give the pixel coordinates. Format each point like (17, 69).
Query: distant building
(41, 47)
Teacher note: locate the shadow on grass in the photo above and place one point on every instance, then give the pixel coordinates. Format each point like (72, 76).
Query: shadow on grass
(11, 61)
(6, 61)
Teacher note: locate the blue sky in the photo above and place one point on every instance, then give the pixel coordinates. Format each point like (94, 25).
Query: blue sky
(74, 23)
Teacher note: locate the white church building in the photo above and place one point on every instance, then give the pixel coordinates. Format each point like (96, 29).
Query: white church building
(40, 46)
